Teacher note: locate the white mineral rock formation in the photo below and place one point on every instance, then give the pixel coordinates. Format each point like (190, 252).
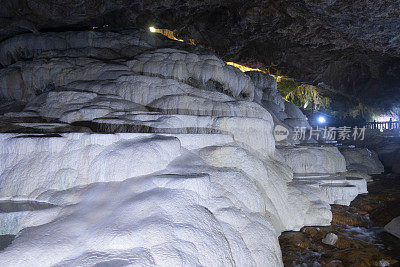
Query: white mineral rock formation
(266, 90)
(140, 151)
(332, 188)
(362, 160)
(204, 70)
(283, 113)
(106, 45)
(309, 159)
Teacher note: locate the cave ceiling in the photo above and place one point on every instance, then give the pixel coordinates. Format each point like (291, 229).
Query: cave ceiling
(349, 47)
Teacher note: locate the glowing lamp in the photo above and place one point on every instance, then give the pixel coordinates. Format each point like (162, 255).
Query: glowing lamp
(321, 119)
(152, 29)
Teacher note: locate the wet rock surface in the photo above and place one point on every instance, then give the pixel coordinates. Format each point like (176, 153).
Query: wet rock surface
(362, 240)
(5, 241)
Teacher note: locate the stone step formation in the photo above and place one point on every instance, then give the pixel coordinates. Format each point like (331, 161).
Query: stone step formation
(148, 151)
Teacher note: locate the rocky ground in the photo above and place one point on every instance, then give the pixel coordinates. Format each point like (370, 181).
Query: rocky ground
(359, 227)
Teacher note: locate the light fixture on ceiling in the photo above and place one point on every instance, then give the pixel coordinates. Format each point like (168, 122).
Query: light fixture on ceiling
(321, 119)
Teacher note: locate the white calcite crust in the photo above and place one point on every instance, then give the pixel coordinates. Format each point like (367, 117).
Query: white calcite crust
(313, 159)
(191, 208)
(223, 196)
(78, 159)
(105, 45)
(24, 80)
(173, 163)
(362, 160)
(266, 89)
(183, 66)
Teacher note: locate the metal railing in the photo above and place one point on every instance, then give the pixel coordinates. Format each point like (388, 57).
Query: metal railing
(385, 125)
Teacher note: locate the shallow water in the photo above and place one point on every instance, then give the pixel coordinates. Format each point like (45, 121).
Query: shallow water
(15, 206)
(10, 206)
(5, 241)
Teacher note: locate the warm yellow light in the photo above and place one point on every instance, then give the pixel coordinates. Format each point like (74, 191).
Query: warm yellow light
(245, 68)
(166, 32)
(170, 35)
(277, 78)
(241, 67)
